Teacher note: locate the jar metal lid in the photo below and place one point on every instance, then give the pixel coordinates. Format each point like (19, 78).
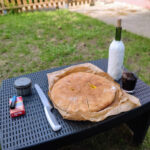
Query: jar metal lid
(22, 83)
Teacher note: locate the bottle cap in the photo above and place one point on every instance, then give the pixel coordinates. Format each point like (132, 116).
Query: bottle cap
(119, 23)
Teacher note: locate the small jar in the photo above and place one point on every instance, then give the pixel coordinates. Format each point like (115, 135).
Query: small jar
(129, 80)
(23, 86)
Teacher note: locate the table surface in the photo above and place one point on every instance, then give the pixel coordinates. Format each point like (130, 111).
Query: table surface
(33, 128)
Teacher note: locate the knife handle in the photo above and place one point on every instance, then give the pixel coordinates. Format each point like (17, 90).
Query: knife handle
(51, 119)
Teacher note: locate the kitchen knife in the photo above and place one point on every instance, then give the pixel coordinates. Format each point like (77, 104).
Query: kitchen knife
(47, 108)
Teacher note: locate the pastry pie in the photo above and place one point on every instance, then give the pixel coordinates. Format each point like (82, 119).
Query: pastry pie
(85, 92)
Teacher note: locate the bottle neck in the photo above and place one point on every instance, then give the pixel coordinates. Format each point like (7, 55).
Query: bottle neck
(118, 34)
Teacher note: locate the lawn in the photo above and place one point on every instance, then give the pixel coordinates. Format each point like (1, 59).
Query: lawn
(31, 42)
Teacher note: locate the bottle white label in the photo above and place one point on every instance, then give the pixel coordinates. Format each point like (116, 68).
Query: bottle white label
(116, 58)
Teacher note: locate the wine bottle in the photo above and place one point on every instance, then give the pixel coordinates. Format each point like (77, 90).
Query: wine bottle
(116, 54)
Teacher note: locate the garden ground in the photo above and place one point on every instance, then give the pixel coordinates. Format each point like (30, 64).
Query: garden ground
(32, 42)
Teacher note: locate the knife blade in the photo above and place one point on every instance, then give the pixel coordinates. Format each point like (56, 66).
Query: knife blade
(47, 109)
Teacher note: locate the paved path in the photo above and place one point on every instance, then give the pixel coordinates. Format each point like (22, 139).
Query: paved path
(141, 3)
(135, 19)
(139, 23)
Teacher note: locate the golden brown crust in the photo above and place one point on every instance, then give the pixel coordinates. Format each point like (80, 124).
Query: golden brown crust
(82, 91)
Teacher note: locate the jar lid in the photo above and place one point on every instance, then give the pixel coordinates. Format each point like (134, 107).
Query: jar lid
(22, 83)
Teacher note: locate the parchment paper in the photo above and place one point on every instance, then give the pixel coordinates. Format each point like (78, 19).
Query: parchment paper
(123, 102)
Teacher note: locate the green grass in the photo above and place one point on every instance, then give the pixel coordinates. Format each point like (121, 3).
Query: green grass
(31, 42)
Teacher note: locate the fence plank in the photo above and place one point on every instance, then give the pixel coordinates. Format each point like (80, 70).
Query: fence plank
(24, 2)
(30, 2)
(19, 2)
(1, 6)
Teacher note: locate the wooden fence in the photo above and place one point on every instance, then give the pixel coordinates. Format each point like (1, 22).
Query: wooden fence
(30, 5)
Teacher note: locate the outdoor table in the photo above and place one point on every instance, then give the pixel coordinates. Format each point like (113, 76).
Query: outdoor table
(33, 130)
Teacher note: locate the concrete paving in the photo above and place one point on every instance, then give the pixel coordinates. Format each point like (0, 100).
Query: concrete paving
(139, 23)
(141, 3)
(135, 19)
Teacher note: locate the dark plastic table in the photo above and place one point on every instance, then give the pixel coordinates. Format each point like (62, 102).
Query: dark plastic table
(33, 130)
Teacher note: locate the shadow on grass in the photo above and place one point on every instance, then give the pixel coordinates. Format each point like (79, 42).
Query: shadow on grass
(119, 138)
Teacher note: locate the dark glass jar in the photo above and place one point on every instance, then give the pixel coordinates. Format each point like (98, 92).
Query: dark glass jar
(23, 86)
(129, 80)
